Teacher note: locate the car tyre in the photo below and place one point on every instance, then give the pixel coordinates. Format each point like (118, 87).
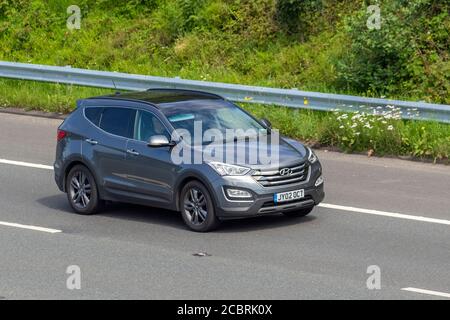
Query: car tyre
(82, 191)
(197, 207)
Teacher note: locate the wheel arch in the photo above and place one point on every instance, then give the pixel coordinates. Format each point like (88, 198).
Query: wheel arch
(79, 161)
(188, 177)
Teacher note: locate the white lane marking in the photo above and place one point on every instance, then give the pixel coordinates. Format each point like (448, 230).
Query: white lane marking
(323, 205)
(430, 292)
(384, 213)
(23, 226)
(26, 164)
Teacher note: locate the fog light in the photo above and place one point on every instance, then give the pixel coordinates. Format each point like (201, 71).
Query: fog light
(236, 193)
(319, 181)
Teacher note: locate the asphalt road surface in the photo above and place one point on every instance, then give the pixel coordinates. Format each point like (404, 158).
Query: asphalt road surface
(387, 213)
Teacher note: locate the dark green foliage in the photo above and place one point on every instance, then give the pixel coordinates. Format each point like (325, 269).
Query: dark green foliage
(294, 15)
(409, 53)
(316, 45)
(190, 10)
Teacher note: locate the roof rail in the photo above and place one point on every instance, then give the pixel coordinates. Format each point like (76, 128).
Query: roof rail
(188, 90)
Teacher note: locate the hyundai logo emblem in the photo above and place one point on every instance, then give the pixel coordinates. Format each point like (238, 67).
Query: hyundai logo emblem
(286, 172)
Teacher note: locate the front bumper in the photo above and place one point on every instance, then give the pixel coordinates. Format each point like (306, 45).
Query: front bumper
(262, 202)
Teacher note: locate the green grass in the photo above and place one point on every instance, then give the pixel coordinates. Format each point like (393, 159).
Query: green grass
(385, 135)
(229, 41)
(323, 46)
(49, 97)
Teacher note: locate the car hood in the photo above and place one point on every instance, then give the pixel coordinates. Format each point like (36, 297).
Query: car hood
(289, 152)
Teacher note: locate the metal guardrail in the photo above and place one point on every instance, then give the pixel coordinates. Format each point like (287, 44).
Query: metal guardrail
(238, 93)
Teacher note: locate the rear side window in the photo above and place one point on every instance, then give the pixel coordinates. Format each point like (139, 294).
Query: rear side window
(118, 121)
(93, 114)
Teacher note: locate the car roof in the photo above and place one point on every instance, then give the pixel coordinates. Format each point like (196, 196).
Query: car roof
(159, 97)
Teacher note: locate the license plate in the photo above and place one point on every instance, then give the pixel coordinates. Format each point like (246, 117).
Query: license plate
(288, 196)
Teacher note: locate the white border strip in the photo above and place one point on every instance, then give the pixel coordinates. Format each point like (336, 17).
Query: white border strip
(429, 292)
(384, 213)
(23, 226)
(26, 164)
(323, 205)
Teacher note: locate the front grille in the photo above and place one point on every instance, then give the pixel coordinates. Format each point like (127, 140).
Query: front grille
(270, 178)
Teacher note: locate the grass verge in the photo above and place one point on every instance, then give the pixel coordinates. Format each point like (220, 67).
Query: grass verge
(48, 97)
(381, 135)
(384, 135)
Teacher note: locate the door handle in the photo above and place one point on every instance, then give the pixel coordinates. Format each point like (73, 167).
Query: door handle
(133, 152)
(91, 141)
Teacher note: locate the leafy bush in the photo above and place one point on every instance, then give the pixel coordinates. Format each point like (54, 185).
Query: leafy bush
(312, 45)
(189, 15)
(410, 52)
(294, 15)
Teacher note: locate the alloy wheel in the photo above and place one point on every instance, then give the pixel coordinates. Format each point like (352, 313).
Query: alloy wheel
(80, 190)
(195, 206)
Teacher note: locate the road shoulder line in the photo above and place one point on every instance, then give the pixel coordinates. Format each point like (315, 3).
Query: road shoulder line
(29, 227)
(428, 292)
(26, 164)
(384, 213)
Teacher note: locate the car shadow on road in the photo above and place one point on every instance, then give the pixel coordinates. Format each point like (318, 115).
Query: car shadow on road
(272, 221)
(119, 210)
(56, 202)
(143, 214)
(155, 216)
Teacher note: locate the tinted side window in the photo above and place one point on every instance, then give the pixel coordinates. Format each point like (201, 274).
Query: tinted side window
(149, 125)
(93, 114)
(118, 121)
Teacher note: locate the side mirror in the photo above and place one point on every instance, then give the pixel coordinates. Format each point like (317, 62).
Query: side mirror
(159, 141)
(266, 123)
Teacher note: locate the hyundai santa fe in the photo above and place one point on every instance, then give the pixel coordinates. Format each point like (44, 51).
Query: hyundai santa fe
(144, 148)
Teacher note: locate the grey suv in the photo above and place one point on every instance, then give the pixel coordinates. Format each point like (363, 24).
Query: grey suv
(121, 148)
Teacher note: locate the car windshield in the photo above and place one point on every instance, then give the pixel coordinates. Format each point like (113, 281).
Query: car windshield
(209, 114)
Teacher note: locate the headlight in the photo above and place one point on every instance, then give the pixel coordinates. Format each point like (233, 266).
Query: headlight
(312, 156)
(228, 169)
